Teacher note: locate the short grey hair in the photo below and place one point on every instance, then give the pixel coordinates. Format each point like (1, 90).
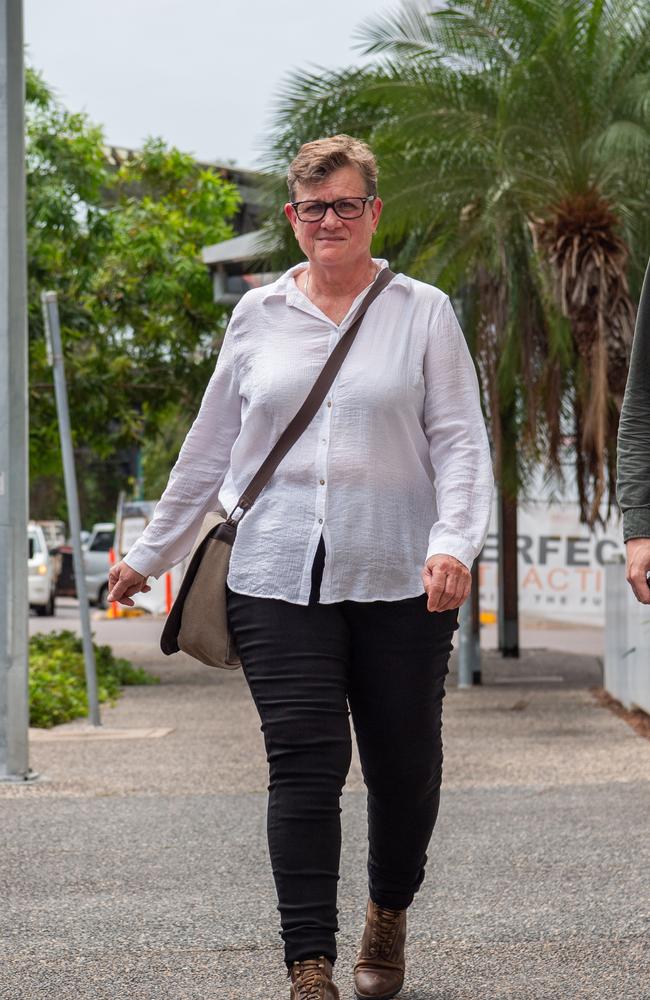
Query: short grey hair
(316, 160)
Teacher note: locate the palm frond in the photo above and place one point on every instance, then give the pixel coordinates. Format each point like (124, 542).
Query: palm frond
(512, 138)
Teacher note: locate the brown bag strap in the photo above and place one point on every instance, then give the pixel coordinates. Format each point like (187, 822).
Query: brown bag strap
(314, 400)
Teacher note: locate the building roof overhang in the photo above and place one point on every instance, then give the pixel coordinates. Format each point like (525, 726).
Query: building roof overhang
(239, 250)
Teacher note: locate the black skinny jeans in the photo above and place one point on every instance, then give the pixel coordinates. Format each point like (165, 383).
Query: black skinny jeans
(387, 661)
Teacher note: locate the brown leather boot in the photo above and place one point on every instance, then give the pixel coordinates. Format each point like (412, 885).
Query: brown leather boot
(311, 979)
(379, 969)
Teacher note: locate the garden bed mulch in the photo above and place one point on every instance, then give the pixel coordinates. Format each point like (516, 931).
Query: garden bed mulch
(635, 717)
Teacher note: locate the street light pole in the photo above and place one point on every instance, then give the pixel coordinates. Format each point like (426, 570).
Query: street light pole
(14, 601)
(469, 645)
(55, 357)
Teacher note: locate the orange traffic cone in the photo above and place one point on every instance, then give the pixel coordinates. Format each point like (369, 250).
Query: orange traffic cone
(114, 609)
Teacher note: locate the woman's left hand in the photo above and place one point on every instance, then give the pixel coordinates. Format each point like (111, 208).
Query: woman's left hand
(447, 582)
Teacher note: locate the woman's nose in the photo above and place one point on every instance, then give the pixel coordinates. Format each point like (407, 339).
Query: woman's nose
(330, 218)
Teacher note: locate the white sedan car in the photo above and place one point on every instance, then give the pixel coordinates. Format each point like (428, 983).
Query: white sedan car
(41, 577)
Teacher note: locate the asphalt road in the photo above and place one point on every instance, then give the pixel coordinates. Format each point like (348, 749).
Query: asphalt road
(145, 897)
(136, 868)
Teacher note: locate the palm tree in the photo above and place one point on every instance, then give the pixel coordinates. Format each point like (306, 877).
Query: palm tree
(513, 140)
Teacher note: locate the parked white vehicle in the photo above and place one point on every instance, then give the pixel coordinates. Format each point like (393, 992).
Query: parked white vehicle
(54, 532)
(41, 571)
(96, 562)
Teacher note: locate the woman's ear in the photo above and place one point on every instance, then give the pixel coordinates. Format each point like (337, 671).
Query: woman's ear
(377, 206)
(290, 213)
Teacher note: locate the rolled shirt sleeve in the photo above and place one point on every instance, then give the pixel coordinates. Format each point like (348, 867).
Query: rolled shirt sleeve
(458, 442)
(633, 473)
(198, 474)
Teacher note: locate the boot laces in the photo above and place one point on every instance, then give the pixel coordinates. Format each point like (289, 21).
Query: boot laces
(310, 979)
(383, 931)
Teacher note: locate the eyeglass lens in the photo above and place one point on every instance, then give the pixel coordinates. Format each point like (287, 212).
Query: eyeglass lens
(345, 208)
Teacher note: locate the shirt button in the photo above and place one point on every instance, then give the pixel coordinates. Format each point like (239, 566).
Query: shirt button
(322, 482)
(329, 402)
(320, 520)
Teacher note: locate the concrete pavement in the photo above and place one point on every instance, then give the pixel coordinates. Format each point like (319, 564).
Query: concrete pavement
(137, 868)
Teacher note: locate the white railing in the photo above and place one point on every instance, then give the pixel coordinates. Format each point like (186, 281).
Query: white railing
(627, 641)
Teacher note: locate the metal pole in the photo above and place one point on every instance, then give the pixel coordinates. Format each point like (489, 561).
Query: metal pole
(465, 646)
(469, 661)
(14, 599)
(469, 637)
(55, 357)
(474, 597)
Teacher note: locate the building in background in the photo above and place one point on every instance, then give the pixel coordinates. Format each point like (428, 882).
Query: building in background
(248, 182)
(235, 264)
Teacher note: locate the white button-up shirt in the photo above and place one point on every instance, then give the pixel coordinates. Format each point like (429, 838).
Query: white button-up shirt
(395, 467)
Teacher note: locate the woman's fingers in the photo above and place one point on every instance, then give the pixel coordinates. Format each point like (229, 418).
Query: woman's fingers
(447, 583)
(123, 582)
(120, 591)
(437, 584)
(453, 595)
(123, 598)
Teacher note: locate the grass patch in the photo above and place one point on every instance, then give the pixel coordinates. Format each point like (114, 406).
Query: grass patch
(57, 680)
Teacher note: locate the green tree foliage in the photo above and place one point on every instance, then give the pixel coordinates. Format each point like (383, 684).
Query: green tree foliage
(513, 140)
(141, 333)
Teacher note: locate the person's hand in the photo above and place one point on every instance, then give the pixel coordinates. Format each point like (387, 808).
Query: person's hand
(123, 582)
(638, 567)
(447, 582)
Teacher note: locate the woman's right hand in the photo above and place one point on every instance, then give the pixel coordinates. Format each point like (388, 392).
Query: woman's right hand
(123, 582)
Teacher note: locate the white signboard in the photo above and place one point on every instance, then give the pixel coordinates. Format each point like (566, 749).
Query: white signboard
(561, 563)
(131, 529)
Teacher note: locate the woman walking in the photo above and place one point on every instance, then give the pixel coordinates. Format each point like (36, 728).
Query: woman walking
(347, 574)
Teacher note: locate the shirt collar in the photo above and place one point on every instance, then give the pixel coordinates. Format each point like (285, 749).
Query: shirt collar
(285, 286)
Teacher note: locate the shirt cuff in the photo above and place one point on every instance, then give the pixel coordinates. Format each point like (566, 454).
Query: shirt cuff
(453, 545)
(636, 523)
(143, 562)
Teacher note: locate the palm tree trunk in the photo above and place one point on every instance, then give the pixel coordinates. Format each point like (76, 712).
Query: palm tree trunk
(508, 576)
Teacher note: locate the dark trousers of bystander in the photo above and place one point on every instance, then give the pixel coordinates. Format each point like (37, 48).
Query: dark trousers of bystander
(308, 669)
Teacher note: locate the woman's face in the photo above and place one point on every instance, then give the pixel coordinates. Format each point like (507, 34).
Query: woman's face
(333, 241)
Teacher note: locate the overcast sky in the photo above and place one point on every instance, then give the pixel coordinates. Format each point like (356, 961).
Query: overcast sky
(200, 73)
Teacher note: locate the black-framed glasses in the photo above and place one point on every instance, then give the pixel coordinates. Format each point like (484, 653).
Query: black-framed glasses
(345, 208)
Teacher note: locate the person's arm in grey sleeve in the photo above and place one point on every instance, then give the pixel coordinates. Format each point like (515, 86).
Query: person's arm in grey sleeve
(633, 472)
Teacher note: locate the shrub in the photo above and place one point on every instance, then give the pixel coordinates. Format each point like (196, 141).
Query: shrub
(57, 680)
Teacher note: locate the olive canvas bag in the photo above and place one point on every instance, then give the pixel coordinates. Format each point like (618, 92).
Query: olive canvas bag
(198, 622)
